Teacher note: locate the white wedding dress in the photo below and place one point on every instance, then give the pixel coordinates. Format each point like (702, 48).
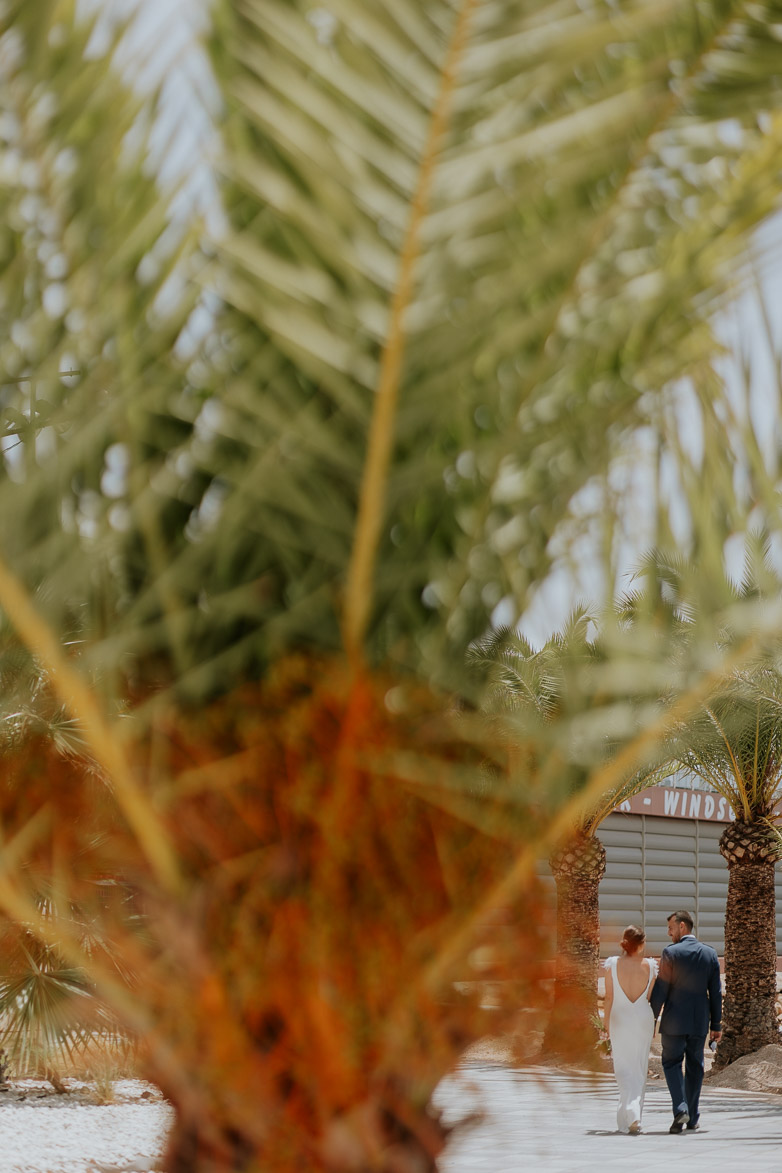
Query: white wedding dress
(630, 1030)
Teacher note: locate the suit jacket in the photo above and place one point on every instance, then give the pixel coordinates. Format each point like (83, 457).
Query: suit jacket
(688, 986)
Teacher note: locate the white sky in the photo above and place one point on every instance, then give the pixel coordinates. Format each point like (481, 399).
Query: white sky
(163, 48)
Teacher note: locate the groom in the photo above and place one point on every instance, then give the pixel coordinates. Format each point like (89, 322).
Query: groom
(688, 986)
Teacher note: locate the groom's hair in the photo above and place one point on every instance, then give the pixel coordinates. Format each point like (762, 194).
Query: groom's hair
(684, 918)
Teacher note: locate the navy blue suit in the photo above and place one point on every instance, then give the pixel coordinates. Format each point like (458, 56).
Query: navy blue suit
(688, 988)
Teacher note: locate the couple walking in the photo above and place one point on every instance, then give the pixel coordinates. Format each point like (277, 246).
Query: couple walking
(688, 989)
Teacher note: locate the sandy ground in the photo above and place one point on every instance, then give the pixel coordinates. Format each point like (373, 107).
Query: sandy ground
(535, 1115)
(42, 1132)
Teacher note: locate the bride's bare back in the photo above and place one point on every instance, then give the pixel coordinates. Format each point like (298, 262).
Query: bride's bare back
(632, 972)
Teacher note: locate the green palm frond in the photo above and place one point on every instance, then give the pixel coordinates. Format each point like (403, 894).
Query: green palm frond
(564, 710)
(89, 270)
(515, 675)
(567, 257)
(733, 740)
(521, 321)
(50, 1013)
(734, 743)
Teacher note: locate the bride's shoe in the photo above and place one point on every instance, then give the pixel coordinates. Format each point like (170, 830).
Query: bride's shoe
(635, 1128)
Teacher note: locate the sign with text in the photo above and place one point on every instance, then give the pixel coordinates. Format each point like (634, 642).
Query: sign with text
(674, 802)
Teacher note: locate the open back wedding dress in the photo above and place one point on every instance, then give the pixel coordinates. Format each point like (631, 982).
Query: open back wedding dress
(630, 1030)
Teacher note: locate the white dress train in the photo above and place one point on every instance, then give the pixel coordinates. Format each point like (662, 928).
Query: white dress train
(630, 1030)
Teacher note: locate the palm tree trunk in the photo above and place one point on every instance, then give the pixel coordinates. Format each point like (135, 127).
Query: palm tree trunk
(303, 1020)
(578, 869)
(205, 1146)
(749, 1018)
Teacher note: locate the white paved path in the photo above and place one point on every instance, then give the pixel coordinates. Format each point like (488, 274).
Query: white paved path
(542, 1120)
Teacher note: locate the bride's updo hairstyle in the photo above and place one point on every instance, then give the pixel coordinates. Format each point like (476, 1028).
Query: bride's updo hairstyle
(632, 939)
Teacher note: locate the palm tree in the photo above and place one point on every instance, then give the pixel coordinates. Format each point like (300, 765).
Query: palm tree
(49, 1008)
(80, 214)
(530, 694)
(733, 745)
(731, 741)
(752, 846)
(465, 248)
(52, 1014)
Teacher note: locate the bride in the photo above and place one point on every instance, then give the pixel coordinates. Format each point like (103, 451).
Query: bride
(630, 1022)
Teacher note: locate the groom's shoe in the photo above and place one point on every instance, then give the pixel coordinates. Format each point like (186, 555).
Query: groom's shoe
(693, 1126)
(679, 1121)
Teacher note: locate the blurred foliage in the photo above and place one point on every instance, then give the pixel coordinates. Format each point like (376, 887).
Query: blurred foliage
(574, 680)
(54, 811)
(260, 494)
(568, 260)
(304, 987)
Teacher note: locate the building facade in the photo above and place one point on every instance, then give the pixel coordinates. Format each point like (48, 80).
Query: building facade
(662, 849)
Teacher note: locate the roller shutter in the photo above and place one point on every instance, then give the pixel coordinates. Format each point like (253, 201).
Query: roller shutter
(655, 865)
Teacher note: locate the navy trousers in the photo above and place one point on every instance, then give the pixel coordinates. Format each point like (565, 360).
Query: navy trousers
(685, 1089)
